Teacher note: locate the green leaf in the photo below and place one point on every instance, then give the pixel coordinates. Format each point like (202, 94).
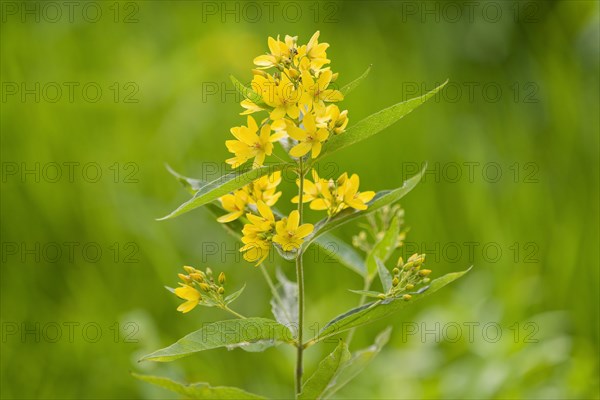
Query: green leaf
(229, 333)
(245, 91)
(357, 363)
(381, 199)
(199, 390)
(190, 184)
(233, 296)
(223, 185)
(375, 123)
(381, 309)
(384, 248)
(368, 293)
(325, 374)
(352, 85)
(342, 252)
(384, 275)
(285, 307)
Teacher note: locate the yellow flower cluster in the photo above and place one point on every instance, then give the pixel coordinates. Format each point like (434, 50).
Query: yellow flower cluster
(291, 85)
(334, 196)
(197, 287)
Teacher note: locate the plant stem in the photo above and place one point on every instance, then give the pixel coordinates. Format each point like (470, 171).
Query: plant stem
(229, 310)
(363, 298)
(300, 280)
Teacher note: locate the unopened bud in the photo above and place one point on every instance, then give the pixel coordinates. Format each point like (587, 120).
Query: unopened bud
(209, 272)
(406, 297)
(205, 287)
(426, 280)
(222, 278)
(197, 277)
(381, 296)
(395, 281)
(424, 272)
(221, 290)
(400, 262)
(395, 271)
(410, 286)
(183, 277)
(189, 269)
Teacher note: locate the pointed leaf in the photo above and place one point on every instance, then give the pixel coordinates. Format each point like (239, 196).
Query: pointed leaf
(352, 85)
(381, 309)
(342, 252)
(384, 275)
(190, 184)
(357, 363)
(234, 332)
(223, 185)
(367, 293)
(384, 248)
(325, 374)
(233, 296)
(285, 307)
(199, 390)
(376, 123)
(381, 199)
(245, 91)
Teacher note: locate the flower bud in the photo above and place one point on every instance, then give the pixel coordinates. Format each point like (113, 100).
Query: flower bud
(424, 272)
(381, 296)
(209, 272)
(426, 280)
(395, 281)
(222, 278)
(221, 290)
(189, 269)
(400, 262)
(395, 271)
(183, 277)
(410, 286)
(406, 297)
(205, 287)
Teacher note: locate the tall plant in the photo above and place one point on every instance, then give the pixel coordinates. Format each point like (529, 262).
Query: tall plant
(292, 101)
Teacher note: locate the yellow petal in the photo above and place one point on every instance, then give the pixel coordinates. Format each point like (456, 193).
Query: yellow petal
(300, 149)
(304, 230)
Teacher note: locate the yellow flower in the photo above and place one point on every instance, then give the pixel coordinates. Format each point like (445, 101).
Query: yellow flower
(311, 190)
(331, 118)
(264, 189)
(310, 138)
(250, 107)
(282, 95)
(280, 52)
(258, 234)
(315, 52)
(351, 196)
(249, 144)
(235, 203)
(316, 90)
(290, 235)
(190, 294)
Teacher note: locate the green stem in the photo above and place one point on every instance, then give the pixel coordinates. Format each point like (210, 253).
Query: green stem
(300, 280)
(274, 290)
(363, 298)
(229, 310)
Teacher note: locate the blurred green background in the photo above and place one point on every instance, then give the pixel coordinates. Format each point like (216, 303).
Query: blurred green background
(512, 188)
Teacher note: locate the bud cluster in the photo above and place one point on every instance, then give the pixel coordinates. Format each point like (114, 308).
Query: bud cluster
(407, 276)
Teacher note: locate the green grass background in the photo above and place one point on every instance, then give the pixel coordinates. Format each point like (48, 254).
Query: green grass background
(544, 122)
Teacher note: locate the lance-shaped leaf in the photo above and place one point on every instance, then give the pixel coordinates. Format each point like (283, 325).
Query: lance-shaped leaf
(229, 333)
(233, 296)
(285, 307)
(381, 199)
(384, 275)
(199, 390)
(352, 85)
(245, 91)
(223, 185)
(190, 184)
(381, 309)
(375, 123)
(326, 372)
(357, 363)
(384, 248)
(342, 252)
